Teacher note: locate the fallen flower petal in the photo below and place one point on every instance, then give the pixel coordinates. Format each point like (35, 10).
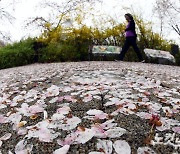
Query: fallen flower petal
(1, 143)
(122, 147)
(105, 145)
(6, 137)
(176, 129)
(70, 124)
(64, 110)
(45, 115)
(115, 132)
(68, 140)
(84, 136)
(2, 119)
(52, 91)
(63, 150)
(99, 131)
(35, 109)
(23, 148)
(145, 150)
(94, 152)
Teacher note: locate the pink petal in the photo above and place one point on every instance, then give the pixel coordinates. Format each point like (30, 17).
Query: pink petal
(6, 137)
(68, 140)
(70, 99)
(22, 131)
(35, 109)
(109, 124)
(64, 110)
(2, 119)
(60, 99)
(98, 114)
(144, 115)
(88, 98)
(99, 131)
(84, 136)
(71, 123)
(52, 91)
(176, 129)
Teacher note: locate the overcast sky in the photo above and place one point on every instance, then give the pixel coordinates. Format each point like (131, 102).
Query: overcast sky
(28, 8)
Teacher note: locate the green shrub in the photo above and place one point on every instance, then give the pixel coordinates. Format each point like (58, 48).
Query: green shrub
(177, 58)
(17, 54)
(63, 51)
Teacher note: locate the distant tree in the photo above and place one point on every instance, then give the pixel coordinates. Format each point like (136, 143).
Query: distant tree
(169, 12)
(59, 13)
(5, 16)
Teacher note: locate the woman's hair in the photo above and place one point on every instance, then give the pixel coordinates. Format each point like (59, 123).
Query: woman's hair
(129, 15)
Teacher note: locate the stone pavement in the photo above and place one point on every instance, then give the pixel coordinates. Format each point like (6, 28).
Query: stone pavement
(90, 108)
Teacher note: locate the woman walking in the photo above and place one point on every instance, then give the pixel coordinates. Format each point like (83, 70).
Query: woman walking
(130, 35)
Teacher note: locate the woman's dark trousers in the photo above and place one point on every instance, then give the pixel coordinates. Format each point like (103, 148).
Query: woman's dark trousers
(130, 41)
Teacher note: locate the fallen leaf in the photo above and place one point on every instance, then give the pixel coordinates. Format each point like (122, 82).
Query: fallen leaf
(33, 117)
(81, 128)
(22, 123)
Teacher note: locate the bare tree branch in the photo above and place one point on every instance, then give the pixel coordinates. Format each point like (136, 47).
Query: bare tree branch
(61, 9)
(169, 12)
(5, 17)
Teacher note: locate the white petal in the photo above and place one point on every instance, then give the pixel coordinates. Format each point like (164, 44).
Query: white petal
(144, 115)
(63, 150)
(64, 110)
(20, 146)
(87, 99)
(9, 152)
(94, 152)
(46, 135)
(15, 118)
(57, 116)
(22, 131)
(84, 136)
(1, 143)
(68, 140)
(109, 124)
(115, 132)
(45, 115)
(106, 145)
(24, 109)
(71, 123)
(6, 137)
(99, 131)
(144, 150)
(52, 91)
(94, 112)
(2, 119)
(35, 109)
(122, 147)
